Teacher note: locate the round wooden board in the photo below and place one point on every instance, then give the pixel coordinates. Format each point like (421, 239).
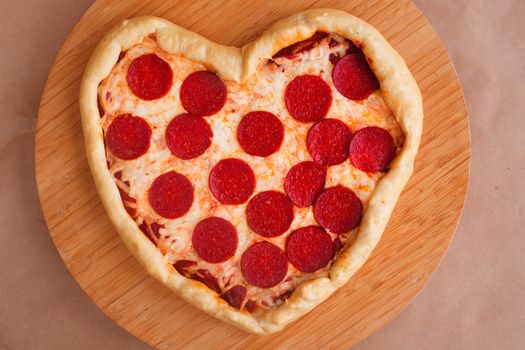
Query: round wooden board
(416, 238)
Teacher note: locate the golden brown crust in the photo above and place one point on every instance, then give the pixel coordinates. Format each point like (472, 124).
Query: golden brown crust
(399, 90)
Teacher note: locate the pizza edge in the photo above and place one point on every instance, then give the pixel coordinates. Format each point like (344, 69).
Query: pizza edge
(400, 92)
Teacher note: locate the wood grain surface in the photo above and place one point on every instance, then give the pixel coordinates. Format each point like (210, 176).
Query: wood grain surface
(412, 246)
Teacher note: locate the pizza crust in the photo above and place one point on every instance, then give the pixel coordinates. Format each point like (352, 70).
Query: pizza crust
(399, 90)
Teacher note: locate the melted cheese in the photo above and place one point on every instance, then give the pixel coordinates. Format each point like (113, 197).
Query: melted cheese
(264, 91)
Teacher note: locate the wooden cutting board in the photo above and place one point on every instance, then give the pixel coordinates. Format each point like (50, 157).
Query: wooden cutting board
(416, 238)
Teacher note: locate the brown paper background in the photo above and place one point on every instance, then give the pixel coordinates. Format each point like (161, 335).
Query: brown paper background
(476, 300)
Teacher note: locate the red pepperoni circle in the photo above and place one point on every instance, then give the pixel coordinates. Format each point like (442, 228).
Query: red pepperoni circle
(202, 93)
(338, 209)
(269, 213)
(304, 182)
(214, 240)
(372, 149)
(353, 78)
(308, 98)
(188, 136)
(128, 137)
(260, 133)
(171, 195)
(264, 265)
(328, 142)
(309, 248)
(231, 181)
(149, 77)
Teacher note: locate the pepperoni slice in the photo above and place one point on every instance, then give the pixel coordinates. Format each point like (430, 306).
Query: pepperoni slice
(260, 133)
(301, 46)
(372, 149)
(202, 275)
(304, 182)
(235, 295)
(152, 236)
(338, 209)
(250, 305)
(264, 265)
(332, 42)
(128, 137)
(208, 279)
(309, 248)
(100, 108)
(182, 265)
(352, 48)
(171, 195)
(338, 245)
(214, 240)
(328, 142)
(308, 98)
(269, 213)
(353, 78)
(202, 93)
(188, 136)
(231, 181)
(149, 77)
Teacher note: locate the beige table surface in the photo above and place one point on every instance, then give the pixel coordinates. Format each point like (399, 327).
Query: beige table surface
(476, 300)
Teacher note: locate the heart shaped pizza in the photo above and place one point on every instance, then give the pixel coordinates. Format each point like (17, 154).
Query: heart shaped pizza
(253, 181)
